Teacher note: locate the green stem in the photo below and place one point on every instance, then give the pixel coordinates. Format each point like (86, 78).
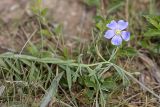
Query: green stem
(113, 54)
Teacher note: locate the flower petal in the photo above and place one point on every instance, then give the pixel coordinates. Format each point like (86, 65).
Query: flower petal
(112, 25)
(122, 25)
(125, 35)
(116, 40)
(109, 34)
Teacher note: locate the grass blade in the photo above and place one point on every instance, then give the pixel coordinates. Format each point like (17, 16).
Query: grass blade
(51, 91)
(69, 77)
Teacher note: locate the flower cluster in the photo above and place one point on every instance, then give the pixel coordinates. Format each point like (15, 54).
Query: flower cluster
(116, 33)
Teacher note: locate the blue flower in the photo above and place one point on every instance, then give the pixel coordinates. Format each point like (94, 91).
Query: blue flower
(116, 32)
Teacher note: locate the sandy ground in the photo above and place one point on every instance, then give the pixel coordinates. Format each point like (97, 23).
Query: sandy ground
(72, 14)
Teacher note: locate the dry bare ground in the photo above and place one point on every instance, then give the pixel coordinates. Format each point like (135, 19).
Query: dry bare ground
(72, 14)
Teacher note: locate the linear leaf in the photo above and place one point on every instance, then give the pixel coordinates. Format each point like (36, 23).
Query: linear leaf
(69, 77)
(51, 91)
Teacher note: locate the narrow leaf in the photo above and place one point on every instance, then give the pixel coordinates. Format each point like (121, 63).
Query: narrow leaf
(51, 91)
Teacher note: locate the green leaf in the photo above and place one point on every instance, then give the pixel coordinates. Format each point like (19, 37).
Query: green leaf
(50, 74)
(102, 99)
(92, 2)
(39, 2)
(36, 59)
(66, 53)
(46, 54)
(26, 62)
(153, 20)
(69, 77)
(32, 49)
(98, 18)
(101, 26)
(45, 32)
(58, 29)
(152, 33)
(121, 73)
(2, 63)
(90, 93)
(12, 66)
(101, 23)
(108, 66)
(76, 74)
(32, 73)
(44, 12)
(95, 71)
(89, 82)
(51, 91)
(128, 51)
(108, 84)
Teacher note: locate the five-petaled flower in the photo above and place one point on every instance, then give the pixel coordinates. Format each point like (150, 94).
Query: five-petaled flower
(116, 32)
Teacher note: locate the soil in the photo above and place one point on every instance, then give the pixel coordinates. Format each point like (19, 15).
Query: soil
(71, 14)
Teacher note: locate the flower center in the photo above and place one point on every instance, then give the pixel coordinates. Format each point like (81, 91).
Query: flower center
(118, 32)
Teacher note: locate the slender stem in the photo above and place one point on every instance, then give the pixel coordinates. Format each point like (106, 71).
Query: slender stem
(98, 53)
(113, 54)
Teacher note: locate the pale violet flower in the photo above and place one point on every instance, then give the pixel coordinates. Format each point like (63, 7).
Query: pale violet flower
(116, 33)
